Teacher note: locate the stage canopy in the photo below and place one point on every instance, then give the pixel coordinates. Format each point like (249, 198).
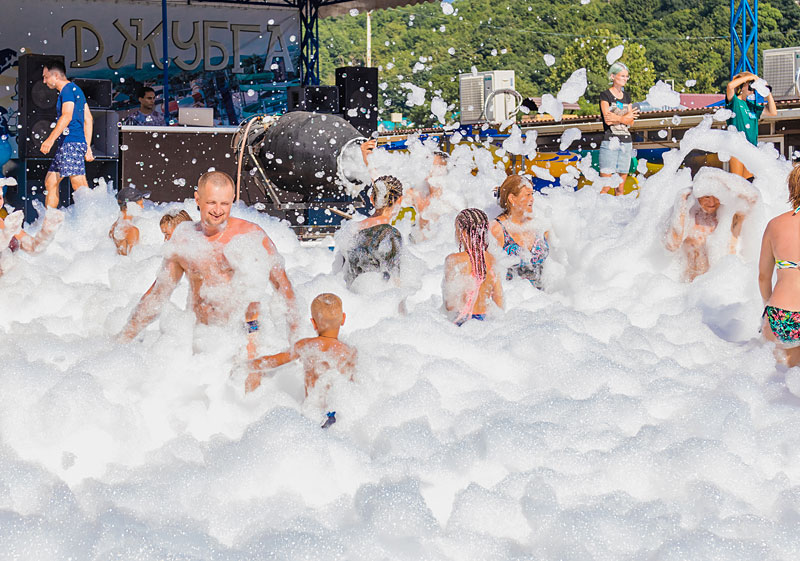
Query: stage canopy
(337, 9)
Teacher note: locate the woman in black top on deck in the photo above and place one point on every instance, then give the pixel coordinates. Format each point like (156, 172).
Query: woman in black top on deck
(618, 115)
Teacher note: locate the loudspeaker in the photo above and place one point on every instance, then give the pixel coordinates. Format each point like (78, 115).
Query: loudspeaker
(37, 105)
(97, 92)
(317, 99)
(105, 134)
(358, 96)
(364, 126)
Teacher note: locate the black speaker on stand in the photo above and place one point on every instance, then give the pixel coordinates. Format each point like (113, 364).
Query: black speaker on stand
(98, 92)
(358, 97)
(315, 99)
(37, 105)
(37, 113)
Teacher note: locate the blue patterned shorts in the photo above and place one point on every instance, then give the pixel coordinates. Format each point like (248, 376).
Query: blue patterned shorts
(70, 159)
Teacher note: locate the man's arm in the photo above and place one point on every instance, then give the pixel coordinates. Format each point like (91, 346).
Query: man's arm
(34, 244)
(771, 109)
(367, 148)
(88, 127)
(279, 280)
(678, 223)
(150, 305)
(62, 123)
(730, 90)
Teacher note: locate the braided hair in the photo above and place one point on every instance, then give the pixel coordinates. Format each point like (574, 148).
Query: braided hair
(386, 190)
(471, 227)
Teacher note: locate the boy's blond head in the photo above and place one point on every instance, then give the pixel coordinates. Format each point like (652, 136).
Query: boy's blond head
(174, 218)
(326, 310)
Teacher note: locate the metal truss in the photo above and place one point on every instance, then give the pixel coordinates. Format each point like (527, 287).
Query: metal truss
(744, 36)
(309, 30)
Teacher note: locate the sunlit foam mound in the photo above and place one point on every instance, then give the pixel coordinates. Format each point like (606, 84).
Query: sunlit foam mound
(619, 414)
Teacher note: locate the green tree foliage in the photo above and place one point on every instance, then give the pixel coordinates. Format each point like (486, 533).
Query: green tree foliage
(677, 40)
(590, 53)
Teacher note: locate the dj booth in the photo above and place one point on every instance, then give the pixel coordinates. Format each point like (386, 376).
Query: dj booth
(167, 162)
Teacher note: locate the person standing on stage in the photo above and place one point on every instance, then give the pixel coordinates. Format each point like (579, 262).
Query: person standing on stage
(146, 115)
(618, 115)
(73, 133)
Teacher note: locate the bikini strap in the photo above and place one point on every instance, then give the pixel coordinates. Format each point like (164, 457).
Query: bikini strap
(506, 236)
(796, 211)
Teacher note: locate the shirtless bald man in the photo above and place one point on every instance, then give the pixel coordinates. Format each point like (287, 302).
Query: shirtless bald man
(198, 250)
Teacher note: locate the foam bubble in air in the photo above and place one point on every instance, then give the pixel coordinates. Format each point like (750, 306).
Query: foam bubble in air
(614, 54)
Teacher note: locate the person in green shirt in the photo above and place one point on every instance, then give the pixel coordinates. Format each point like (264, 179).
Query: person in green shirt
(746, 113)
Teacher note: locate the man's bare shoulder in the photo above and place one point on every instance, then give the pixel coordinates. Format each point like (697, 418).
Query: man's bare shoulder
(242, 226)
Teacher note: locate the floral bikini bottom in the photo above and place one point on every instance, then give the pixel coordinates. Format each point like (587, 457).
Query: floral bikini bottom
(785, 324)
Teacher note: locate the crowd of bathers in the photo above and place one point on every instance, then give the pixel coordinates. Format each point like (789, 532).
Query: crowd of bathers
(473, 277)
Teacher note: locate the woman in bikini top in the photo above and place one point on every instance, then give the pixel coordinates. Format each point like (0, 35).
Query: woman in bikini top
(781, 315)
(515, 197)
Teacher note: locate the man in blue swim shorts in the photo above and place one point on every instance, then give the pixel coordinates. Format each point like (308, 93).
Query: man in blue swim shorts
(72, 133)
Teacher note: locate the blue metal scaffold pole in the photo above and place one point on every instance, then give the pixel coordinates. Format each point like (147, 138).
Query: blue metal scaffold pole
(744, 36)
(165, 60)
(309, 41)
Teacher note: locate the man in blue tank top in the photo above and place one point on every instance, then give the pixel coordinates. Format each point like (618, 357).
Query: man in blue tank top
(72, 133)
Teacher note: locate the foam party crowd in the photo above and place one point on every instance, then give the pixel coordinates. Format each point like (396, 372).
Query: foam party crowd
(501, 373)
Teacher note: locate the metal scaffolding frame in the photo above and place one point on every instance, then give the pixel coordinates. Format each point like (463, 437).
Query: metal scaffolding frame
(309, 30)
(744, 36)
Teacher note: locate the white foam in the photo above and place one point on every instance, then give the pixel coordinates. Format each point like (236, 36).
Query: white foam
(416, 94)
(620, 402)
(574, 87)
(439, 108)
(760, 85)
(662, 95)
(614, 54)
(568, 137)
(551, 106)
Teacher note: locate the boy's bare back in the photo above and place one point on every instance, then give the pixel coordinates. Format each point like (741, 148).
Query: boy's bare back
(321, 354)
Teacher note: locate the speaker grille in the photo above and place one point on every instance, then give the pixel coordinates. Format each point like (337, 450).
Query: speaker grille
(37, 105)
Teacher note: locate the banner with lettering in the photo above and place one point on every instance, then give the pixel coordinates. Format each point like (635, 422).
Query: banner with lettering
(238, 60)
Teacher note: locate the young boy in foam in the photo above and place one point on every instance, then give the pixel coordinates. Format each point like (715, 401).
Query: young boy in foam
(318, 354)
(170, 220)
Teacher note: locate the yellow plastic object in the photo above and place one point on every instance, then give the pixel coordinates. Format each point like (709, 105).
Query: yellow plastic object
(406, 213)
(554, 162)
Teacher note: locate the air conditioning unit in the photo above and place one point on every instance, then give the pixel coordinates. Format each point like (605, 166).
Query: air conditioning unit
(781, 68)
(475, 88)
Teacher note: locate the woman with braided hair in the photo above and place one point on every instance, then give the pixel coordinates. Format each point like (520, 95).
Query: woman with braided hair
(469, 275)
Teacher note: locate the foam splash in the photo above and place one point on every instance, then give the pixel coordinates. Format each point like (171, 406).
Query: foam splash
(574, 87)
(662, 95)
(614, 54)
